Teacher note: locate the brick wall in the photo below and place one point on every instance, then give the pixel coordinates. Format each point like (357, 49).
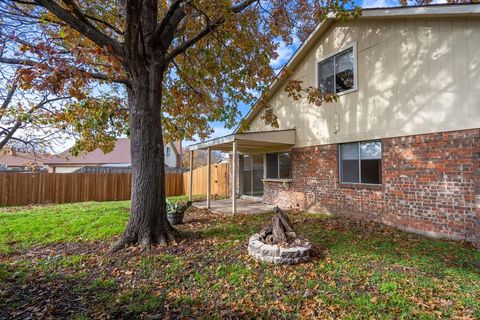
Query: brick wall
(430, 185)
(477, 195)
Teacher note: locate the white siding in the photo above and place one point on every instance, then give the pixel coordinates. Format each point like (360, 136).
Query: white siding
(171, 159)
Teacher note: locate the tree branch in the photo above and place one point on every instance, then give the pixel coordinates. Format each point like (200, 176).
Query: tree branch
(93, 75)
(165, 20)
(85, 28)
(11, 131)
(7, 100)
(208, 29)
(109, 25)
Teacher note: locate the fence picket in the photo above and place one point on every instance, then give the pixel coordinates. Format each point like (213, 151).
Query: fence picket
(38, 188)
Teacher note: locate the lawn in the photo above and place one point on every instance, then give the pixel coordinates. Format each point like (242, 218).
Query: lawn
(52, 264)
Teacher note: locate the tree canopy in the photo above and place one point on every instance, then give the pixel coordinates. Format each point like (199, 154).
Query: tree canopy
(218, 56)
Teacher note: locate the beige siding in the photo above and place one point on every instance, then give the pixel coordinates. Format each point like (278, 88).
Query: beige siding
(65, 169)
(414, 77)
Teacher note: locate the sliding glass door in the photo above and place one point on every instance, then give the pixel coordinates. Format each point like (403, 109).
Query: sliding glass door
(252, 175)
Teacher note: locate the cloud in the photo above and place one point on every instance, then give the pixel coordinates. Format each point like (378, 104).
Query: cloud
(285, 52)
(391, 3)
(379, 3)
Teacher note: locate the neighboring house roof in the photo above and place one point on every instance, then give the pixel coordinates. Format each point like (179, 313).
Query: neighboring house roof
(427, 11)
(13, 158)
(119, 155)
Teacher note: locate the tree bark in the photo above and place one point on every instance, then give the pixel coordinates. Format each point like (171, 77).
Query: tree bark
(148, 224)
(146, 65)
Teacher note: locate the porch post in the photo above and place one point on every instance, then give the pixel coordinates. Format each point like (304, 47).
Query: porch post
(234, 178)
(264, 166)
(209, 153)
(190, 187)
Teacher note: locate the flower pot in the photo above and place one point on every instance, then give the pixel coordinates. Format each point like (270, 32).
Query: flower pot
(175, 218)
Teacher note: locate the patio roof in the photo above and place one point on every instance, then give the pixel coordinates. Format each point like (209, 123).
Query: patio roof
(250, 142)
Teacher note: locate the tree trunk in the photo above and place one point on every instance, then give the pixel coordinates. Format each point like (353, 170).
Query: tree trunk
(148, 222)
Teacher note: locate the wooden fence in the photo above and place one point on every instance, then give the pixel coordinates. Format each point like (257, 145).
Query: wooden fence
(38, 188)
(219, 180)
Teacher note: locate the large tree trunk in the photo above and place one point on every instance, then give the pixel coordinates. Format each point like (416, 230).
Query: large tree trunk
(145, 64)
(148, 222)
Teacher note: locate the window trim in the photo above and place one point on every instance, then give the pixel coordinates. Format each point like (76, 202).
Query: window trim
(340, 167)
(355, 67)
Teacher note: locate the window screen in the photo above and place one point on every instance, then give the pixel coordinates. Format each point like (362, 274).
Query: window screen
(272, 165)
(361, 162)
(284, 165)
(279, 165)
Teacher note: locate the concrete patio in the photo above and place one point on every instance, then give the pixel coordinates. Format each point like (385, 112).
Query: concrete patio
(244, 206)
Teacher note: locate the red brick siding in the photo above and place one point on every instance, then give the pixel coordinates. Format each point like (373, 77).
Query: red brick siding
(428, 185)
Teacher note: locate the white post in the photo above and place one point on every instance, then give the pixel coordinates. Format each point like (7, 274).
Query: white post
(209, 153)
(234, 178)
(264, 166)
(190, 188)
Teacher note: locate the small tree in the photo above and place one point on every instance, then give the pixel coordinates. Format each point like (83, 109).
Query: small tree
(182, 64)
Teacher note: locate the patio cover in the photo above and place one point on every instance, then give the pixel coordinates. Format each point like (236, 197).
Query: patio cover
(249, 142)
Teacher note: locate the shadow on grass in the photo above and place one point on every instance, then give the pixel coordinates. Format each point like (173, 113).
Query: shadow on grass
(84, 296)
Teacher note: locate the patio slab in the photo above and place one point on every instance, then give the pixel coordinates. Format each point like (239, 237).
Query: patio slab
(244, 206)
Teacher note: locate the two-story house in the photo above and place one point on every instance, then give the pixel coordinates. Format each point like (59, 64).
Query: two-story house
(402, 143)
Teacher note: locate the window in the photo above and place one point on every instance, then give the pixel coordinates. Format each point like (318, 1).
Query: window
(336, 74)
(361, 162)
(168, 151)
(278, 166)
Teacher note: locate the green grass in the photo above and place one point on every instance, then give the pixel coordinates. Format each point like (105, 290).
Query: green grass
(62, 223)
(364, 270)
(21, 228)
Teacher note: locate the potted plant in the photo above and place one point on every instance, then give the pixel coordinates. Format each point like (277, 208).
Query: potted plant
(176, 212)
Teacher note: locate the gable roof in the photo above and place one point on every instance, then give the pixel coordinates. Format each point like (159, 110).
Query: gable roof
(22, 159)
(119, 154)
(426, 11)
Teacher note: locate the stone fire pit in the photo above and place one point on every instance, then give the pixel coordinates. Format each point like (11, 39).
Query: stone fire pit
(278, 243)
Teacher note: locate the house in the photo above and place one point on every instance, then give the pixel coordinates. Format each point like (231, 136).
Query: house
(119, 157)
(402, 143)
(19, 161)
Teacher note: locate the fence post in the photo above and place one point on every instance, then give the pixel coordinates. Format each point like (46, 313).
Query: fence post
(209, 153)
(190, 190)
(234, 176)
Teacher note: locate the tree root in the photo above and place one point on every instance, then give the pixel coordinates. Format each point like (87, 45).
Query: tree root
(120, 244)
(146, 242)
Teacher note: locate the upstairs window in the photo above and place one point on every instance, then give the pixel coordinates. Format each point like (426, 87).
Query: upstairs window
(168, 151)
(278, 166)
(336, 74)
(361, 162)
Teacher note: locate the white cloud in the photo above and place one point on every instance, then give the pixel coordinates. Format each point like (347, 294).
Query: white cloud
(391, 3)
(378, 3)
(285, 52)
